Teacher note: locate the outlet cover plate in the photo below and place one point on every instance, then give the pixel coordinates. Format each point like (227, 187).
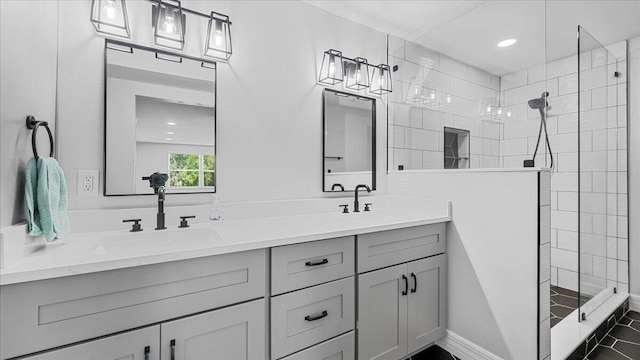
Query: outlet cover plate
(88, 182)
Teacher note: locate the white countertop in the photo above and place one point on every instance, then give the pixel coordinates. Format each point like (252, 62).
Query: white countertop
(109, 250)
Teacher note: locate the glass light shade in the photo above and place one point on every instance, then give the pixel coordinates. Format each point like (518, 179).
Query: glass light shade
(381, 80)
(357, 74)
(169, 24)
(331, 70)
(218, 44)
(110, 17)
(416, 94)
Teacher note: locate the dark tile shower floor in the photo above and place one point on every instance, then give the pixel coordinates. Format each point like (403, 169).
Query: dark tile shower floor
(622, 342)
(563, 302)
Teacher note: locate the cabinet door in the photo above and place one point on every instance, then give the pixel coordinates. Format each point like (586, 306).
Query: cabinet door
(233, 333)
(426, 301)
(142, 344)
(382, 314)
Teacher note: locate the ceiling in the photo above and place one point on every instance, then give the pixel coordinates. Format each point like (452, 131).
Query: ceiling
(469, 30)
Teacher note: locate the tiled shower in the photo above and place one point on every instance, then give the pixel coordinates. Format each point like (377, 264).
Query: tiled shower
(433, 92)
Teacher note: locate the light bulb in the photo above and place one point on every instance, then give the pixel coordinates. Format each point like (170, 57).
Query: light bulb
(448, 99)
(488, 109)
(218, 38)
(358, 76)
(499, 111)
(110, 10)
(332, 66)
(508, 113)
(169, 24)
(433, 95)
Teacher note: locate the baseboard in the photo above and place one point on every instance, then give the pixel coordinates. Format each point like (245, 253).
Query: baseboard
(634, 302)
(464, 349)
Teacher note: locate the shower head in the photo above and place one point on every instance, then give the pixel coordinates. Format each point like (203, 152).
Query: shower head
(539, 103)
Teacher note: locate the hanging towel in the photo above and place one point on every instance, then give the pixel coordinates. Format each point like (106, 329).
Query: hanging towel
(45, 199)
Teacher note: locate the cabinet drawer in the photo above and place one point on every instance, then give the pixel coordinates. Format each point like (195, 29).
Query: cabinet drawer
(386, 248)
(130, 345)
(60, 311)
(340, 348)
(306, 317)
(301, 265)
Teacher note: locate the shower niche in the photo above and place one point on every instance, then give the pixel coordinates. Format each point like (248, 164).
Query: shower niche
(456, 148)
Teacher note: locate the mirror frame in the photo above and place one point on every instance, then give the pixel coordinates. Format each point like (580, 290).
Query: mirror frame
(206, 63)
(373, 135)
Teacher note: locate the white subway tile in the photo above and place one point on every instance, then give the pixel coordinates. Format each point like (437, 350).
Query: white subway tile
(623, 249)
(598, 57)
(586, 264)
(554, 200)
(567, 123)
(567, 279)
(435, 120)
(397, 136)
(593, 244)
(407, 115)
(407, 71)
(421, 55)
(535, 74)
(432, 160)
(566, 161)
(479, 77)
(568, 84)
(564, 181)
(597, 223)
(595, 203)
(554, 276)
(564, 259)
(593, 78)
(567, 240)
(587, 222)
(612, 269)
(453, 67)
(599, 140)
(436, 80)
(586, 141)
(567, 201)
(396, 46)
(612, 247)
(585, 181)
(564, 220)
(465, 89)
(520, 129)
(600, 266)
(623, 206)
(419, 139)
(623, 271)
(593, 161)
(513, 80)
(563, 143)
(599, 182)
(562, 67)
(623, 227)
(410, 159)
(599, 98)
(545, 224)
(563, 104)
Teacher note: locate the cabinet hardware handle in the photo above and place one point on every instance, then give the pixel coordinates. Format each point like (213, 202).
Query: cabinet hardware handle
(406, 285)
(321, 262)
(415, 283)
(316, 317)
(147, 351)
(172, 344)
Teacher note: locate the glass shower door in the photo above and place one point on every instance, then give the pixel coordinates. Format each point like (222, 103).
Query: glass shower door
(598, 172)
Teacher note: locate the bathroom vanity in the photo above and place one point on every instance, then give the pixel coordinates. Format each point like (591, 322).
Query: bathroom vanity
(366, 286)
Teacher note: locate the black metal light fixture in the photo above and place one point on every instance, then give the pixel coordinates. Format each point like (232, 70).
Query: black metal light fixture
(381, 80)
(331, 70)
(218, 44)
(110, 17)
(169, 22)
(357, 74)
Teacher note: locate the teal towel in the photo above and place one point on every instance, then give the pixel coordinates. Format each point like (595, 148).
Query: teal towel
(45, 199)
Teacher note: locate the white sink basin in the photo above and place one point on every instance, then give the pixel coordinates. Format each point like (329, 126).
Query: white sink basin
(156, 240)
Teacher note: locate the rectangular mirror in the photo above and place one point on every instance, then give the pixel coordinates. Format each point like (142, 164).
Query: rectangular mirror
(160, 116)
(349, 156)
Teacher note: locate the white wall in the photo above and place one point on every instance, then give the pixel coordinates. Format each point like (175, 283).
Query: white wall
(28, 40)
(492, 253)
(634, 165)
(269, 116)
(416, 131)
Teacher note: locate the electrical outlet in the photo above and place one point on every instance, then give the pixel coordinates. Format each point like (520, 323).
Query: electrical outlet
(88, 182)
(404, 188)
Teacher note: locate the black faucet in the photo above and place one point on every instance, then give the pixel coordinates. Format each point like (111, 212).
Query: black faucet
(157, 182)
(334, 186)
(356, 205)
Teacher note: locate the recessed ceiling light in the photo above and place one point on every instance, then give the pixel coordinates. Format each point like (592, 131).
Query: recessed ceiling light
(508, 42)
(169, 138)
(171, 123)
(170, 132)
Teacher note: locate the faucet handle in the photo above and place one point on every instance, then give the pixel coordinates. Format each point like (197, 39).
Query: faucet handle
(136, 224)
(345, 208)
(183, 221)
(366, 206)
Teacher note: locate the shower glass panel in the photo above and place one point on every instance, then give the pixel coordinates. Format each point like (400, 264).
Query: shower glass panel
(598, 173)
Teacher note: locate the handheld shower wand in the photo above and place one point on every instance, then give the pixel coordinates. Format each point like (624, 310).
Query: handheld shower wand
(540, 104)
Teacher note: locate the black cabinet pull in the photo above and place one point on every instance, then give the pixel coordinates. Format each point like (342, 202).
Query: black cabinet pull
(316, 317)
(415, 283)
(147, 351)
(321, 262)
(406, 285)
(172, 344)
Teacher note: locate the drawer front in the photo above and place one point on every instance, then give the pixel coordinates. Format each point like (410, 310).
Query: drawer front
(65, 310)
(297, 266)
(340, 348)
(307, 317)
(142, 344)
(386, 248)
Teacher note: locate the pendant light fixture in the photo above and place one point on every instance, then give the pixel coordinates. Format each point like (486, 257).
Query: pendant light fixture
(169, 22)
(357, 74)
(110, 17)
(218, 44)
(381, 80)
(331, 70)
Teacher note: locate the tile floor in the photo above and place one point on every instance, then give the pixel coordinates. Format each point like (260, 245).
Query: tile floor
(622, 342)
(434, 352)
(563, 302)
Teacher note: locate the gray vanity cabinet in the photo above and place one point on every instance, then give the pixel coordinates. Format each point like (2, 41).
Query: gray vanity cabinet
(233, 333)
(142, 344)
(402, 307)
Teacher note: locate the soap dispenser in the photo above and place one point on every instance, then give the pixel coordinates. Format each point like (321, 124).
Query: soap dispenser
(215, 212)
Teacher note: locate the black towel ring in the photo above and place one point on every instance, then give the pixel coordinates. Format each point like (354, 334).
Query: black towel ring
(33, 124)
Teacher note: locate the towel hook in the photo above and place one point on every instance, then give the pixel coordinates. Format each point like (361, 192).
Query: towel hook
(33, 124)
